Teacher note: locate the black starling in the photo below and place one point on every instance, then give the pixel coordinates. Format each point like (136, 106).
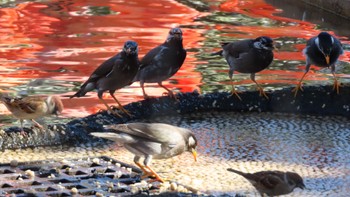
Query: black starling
(322, 51)
(162, 62)
(151, 140)
(248, 56)
(113, 74)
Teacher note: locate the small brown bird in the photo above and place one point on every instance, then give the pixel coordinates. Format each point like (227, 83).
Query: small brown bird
(162, 62)
(248, 56)
(273, 183)
(32, 107)
(151, 140)
(322, 51)
(113, 74)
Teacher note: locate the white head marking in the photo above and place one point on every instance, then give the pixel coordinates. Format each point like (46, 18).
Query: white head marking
(191, 141)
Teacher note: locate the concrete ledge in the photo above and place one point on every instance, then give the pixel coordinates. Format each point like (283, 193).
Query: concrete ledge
(320, 100)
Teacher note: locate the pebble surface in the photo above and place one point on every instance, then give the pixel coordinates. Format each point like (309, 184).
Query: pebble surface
(316, 147)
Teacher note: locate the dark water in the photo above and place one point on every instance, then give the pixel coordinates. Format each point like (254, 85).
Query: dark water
(51, 47)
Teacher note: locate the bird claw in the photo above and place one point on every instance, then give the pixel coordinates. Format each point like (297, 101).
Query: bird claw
(171, 95)
(23, 133)
(296, 89)
(148, 97)
(336, 86)
(147, 174)
(262, 92)
(234, 92)
(121, 109)
(115, 113)
(153, 177)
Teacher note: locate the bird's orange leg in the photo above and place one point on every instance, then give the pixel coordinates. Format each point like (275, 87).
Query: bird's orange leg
(37, 124)
(170, 93)
(120, 105)
(110, 109)
(336, 84)
(234, 91)
(261, 89)
(298, 87)
(155, 174)
(146, 173)
(145, 96)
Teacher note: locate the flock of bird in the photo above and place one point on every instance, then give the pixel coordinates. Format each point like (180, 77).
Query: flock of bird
(161, 141)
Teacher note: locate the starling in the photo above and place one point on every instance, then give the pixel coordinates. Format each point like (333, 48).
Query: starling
(113, 74)
(162, 62)
(322, 51)
(248, 56)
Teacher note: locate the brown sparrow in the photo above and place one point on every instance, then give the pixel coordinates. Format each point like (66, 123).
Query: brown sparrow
(32, 107)
(273, 183)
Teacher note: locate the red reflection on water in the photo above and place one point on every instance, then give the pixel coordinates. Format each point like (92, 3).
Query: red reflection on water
(259, 9)
(42, 38)
(65, 41)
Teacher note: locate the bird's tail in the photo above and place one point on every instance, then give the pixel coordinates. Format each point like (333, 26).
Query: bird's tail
(217, 53)
(86, 87)
(236, 171)
(80, 93)
(106, 135)
(248, 176)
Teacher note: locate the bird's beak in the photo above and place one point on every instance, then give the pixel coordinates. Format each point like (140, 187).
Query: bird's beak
(177, 36)
(128, 50)
(327, 58)
(194, 153)
(302, 186)
(275, 48)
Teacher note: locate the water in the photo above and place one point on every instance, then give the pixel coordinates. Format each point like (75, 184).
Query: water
(51, 47)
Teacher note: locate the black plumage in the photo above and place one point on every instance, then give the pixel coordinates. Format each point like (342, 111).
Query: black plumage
(248, 56)
(162, 62)
(113, 74)
(322, 51)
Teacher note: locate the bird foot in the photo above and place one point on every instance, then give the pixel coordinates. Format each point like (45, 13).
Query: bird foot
(296, 89)
(115, 113)
(262, 92)
(147, 174)
(121, 109)
(336, 86)
(171, 95)
(23, 133)
(36, 124)
(148, 97)
(236, 93)
(153, 177)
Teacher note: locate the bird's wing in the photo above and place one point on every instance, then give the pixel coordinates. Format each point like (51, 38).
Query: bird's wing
(339, 46)
(270, 180)
(115, 136)
(236, 49)
(151, 56)
(156, 132)
(105, 68)
(310, 41)
(26, 104)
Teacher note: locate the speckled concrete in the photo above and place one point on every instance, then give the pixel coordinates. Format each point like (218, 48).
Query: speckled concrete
(316, 147)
